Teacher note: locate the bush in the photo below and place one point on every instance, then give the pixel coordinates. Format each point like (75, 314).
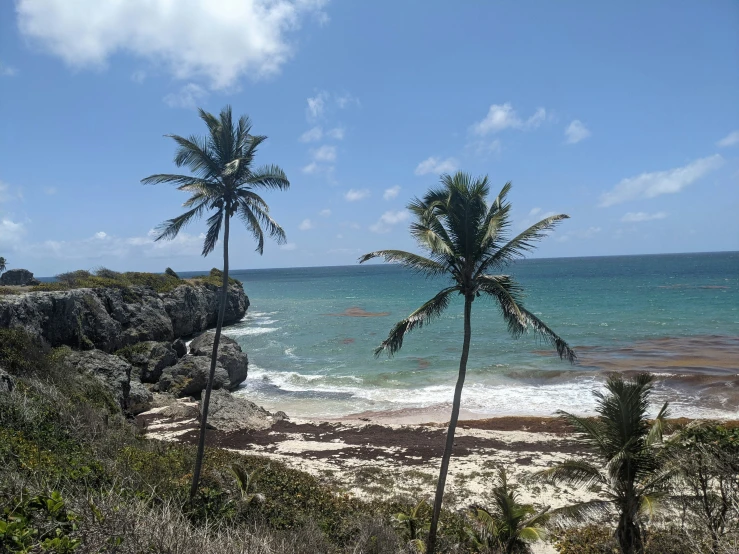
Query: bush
(21, 353)
(103, 278)
(171, 272)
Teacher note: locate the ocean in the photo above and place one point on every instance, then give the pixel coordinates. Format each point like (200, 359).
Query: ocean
(310, 334)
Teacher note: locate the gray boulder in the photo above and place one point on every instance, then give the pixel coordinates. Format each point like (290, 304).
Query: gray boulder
(227, 412)
(139, 398)
(7, 384)
(150, 359)
(179, 347)
(230, 356)
(112, 371)
(189, 376)
(18, 277)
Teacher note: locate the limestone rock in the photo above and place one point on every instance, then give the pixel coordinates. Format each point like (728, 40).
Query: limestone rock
(18, 277)
(139, 398)
(179, 347)
(189, 376)
(230, 356)
(150, 359)
(112, 371)
(193, 310)
(227, 412)
(181, 409)
(7, 384)
(110, 318)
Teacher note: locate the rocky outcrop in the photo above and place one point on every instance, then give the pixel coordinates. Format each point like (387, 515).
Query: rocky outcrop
(18, 277)
(112, 371)
(139, 398)
(111, 318)
(7, 384)
(189, 376)
(227, 412)
(149, 359)
(230, 356)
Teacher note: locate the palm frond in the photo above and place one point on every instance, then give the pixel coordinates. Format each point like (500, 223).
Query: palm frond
(273, 229)
(194, 153)
(171, 228)
(214, 229)
(407, 259)
(589, 430)
(577, 473)
(507, 294)
(170, 178)
(657, 429)
(422, 316)
(582, 511)
(549, 336)
(518, 246)
(252, 224)
(270, 177)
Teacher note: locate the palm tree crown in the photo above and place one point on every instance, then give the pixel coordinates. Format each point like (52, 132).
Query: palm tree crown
(465, 239)
(628, 446)
(223, 180)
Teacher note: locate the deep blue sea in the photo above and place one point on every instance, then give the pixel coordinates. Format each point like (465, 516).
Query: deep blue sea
(677, 315)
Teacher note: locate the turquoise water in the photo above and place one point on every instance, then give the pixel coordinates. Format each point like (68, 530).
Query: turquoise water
(309, 362)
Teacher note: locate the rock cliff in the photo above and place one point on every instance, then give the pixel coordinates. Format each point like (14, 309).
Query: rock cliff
(111, 318)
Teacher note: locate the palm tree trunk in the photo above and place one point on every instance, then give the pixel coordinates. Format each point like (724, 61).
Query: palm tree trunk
(628, 533)
(213, 360)
(452, 425)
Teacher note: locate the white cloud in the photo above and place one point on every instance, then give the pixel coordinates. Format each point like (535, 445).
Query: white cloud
(50, 190)
(635, 217)
(588, 233)
(649, 185)
(325, 213)
(138, 76)
(391, 193)
(729, 140)
(10, 231)
(219, 41)
(187, 97)
(337, 133)
(435, 165)
(503, 116)
(325, 153)
(576, 131)
(305, 225)
(387, 220)
(311, 168)
(534, 211)
(312, 135)
(7, 70)
(288, 246)
(101, 245)
(345, 100)
(316, 106)
(354, 195)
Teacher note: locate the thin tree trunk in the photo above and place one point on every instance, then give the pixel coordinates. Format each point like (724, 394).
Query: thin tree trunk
(213, 360)
(452, 425)
(628, 533)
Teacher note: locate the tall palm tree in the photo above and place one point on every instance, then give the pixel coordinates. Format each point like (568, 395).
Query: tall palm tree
(631, 465)
(465, 239)
(222, 184)
(510, 526)
(2, 264)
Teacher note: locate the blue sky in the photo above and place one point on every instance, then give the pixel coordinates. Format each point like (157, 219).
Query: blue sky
(623, 115)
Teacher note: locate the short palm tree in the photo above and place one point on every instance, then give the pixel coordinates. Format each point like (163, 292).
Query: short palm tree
(465, 239)
(510, 526)
(222, 184)
(2, 264)
(628, 446)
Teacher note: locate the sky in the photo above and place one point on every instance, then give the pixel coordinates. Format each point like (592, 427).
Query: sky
(623, 115)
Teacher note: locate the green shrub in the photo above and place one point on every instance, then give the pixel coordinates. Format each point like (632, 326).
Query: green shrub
(41, 521)
(104, 277)
(21, 353)
(590, 539)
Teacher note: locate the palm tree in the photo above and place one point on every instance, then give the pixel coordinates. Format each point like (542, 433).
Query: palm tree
(222, 184)
(465, 238)
(631, 465)
(510, 526)
(2, 264)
